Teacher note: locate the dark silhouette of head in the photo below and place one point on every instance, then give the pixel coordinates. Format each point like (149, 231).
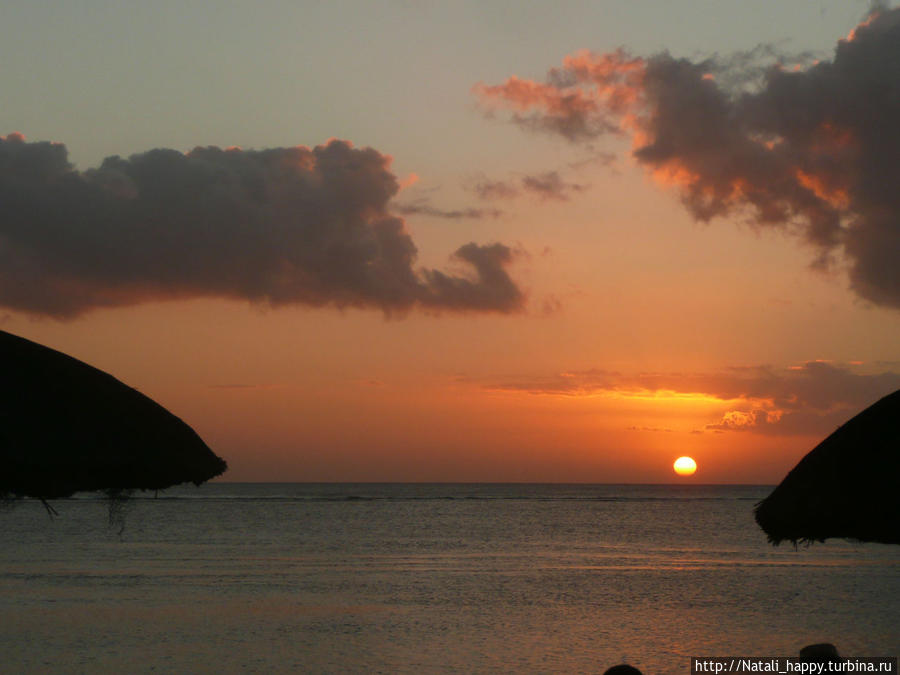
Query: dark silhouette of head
(824, 652)
(622, 669)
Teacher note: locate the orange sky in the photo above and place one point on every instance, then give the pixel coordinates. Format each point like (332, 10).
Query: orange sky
(644, 331)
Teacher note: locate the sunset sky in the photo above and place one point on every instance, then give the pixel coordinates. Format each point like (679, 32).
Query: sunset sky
(463, 241)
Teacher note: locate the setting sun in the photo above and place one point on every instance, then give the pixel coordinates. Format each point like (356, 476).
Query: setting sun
(685, 466)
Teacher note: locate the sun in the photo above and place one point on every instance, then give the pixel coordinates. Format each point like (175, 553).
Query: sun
(684, 466)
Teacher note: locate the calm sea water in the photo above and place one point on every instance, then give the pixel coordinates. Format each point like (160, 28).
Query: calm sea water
(427, 578)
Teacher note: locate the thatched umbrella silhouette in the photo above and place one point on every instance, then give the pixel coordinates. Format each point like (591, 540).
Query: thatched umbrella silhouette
(848, 486)
(67, 427)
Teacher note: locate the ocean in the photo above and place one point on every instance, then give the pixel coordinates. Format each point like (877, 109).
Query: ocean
(426, 578)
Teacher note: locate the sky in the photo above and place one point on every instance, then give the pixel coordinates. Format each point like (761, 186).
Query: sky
(424, 241)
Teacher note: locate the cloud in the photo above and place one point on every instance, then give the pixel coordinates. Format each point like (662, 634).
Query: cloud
(737, 420)
(492, 287)
(810, 398)
(650, 429)
(495, 189)
(549, 185)
(606, 159)
(556, 106)
(551, 305)
(544, 185)
(421, 208)
(280, 226)
(811, 148)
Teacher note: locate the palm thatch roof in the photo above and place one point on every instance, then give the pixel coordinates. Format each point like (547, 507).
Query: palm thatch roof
(848, 486)
(68, 427)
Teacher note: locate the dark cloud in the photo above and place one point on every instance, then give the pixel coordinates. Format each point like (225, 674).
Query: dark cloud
(422, 208)
(549, 185)
(811, 398)
(606, 159)
(495, 189)
(280, 226)
(544, 185)
(812, 148)
(491, 288)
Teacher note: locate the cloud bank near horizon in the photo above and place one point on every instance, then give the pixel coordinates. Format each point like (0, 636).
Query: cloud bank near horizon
(280, 226)
(812, 398)
(812, 149)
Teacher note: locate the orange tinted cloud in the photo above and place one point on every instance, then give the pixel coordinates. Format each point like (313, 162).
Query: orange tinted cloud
(808, 398)
(752, 420)
(581, 100)
(813, 146)
(819, 185)
(409, 181)
(876, 12)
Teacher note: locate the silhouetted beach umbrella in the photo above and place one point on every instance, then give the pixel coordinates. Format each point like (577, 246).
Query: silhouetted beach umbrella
(622, 669)
(68, 427)
(848, 486)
